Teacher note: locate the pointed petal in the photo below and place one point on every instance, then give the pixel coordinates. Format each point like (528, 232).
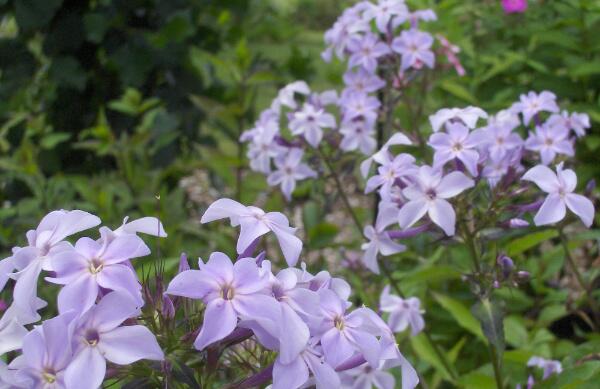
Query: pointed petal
(219, 321)
(87, 370)
(543, 177)
(453, 184)
(289, 376)
(441, 213)
(582, 207)
(411, 212)
(125, 345)
(223, 208)
(293, 336)
(552, 210)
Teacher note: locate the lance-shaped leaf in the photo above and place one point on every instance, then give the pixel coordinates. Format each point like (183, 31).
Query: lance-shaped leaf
(489, 314)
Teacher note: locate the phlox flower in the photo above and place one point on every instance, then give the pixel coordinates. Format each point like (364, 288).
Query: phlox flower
(367, 377)
(289, 170)
(468, 116)
(578, 122)
(254, 223)
(415, 48)
(263, 148)
(531, 104)
(383, 155)
(230, 292)
(384, 11)
(361, 81)
(287, 94)
(403, 312)
(428, 196)
(560, 187)
(497, 140)
(92, 265)
(45, 242)
(12, 330)
(550, 141)
(98, 337)
(358, 134)
(349, 24)
(360, 105)
(379, 242)
(310, 122)
(366, 50)
(549, 366)
(457, 143)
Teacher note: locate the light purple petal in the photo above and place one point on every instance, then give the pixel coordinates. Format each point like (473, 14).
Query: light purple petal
(194, 284)
(336, 347)
(543, 177)
(582, 207)
(223, 208)
(87, 370)
(219, 321)
(251, 229)
(411, 212)
(246, 276)
(125, 247)
(120, 277)
(552, 210)
(125, 345)
(326, 377)
(453, 184)
(441, 213)
(294, 335)
(79, 295)
(112, 310)
(289, 376)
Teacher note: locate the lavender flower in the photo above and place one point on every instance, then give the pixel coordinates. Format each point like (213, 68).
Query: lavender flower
(459, 144)
(289, 170)
(550, 141)
(577, 122)
(361, 81)
(296, 373)
(366, 50)
(549, 366)
(254, 223)
(358, 134)
(532, 103)
(310, 122)
(403, 312)
(360, 105)
(415, 48)
(429, 194)
(468, 116)
(560, 187)
(378, 242)
(384, 11)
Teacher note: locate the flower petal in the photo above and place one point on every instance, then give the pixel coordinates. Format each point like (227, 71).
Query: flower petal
(552, 210)
(453, 184)
(543, 177)
(125, 345)
(219, 321)
(582, 207)
(441, 213)
(87, 369)
(411, 212)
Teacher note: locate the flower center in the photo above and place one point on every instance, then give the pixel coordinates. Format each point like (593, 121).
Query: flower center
(278, 292)
(500, 140)
(227, 292)
(49, 376)
(457, 147)
(92, 337)
(288, 171)
(549, 141)
(339, 322)
(96, 266)
(430, 193)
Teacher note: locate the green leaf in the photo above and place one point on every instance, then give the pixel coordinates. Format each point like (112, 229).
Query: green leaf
(585, 69)
(516, 333)
(424, 349)
(583, 376)
(32, 14)
(459, 91)
(322, 234)
(51, 140)
(526, 242)
(490, 316)
(460, 313)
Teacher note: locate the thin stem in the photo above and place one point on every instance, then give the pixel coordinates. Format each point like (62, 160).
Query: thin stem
(468, 238)
(587, 289)
(497, 367)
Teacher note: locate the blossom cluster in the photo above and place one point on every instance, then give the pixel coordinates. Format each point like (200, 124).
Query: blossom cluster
(307, 319)
(376, 40)
(466, 154)
(100, 292)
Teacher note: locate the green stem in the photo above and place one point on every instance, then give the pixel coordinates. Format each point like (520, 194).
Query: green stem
(497, 367)
(468, 238)
(587, 289)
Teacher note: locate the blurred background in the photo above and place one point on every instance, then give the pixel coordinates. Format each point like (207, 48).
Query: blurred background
(135, 107)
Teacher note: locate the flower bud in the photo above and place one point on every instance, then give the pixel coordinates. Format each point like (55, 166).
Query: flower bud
(183, 263)
(589, 188)
(523, 275)
(167, 309)
(517, 223)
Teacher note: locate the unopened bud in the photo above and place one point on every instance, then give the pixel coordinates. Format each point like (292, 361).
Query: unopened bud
(496, 284)
(523, 275)
(167, 309)
(517, 223)
(506, 264)
(183, 263)
(589, 188)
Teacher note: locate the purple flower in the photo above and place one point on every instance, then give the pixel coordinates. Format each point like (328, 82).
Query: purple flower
(429, 194)
(286, 96)
(578, 122)
(289, 170)
(415, 48)
(254, 223)
(403, 312)
(46, 241)
(349, 24)
(46, 355)
(358, 134)
(230, 292)
(468, 116)
(145, 225)
(391, 170)
(360, 105)
(361, 81)
(549, 366)
(379, 243)
(366, 50)
(458, 143)
(498, 140)
(12, 330)
(92, 265)
(295, 374)
(343, 334)
(560, 187)
(310, 122)
(514, 6)
(550, 141)
(263, 148)
(99, 337)
(533, 103)
(383, 156)
(366, 377)
(383, 12)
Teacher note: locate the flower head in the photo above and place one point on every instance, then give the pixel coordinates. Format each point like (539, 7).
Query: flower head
(310, 122)
(289, 170)
(457, 143)
(415, 48)
(403, 312)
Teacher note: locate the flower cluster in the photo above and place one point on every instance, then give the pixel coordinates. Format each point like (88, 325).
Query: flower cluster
(307, 319)
(384, 48)
(465, 154)
(100, 293)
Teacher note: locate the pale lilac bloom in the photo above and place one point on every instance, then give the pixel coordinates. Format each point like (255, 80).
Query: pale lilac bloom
(532, 103)
(230, 292)
(146, 225)
(343, 334)
(550, 141)
(426, 15)
(46, 355)
(366, 50)
(92, 265)
(349, 24)
(357, 105)
(383, 12)
(578, 122)
(390, 171)
(457, 143)
(44, 243)
(287, 94)
(379, 242)
(549, 366)
(295, 374)
(361, 81)
(367, 377)
(514, 6)
(358, 134)
(310, 122)
(494, 170)
(415, 48)
(254, 223)
(383, 156)
(468, 116)
(289, 170)
(328, 97)
(560, 187)
(428, 196)
(403, 312)
(498, 140)
(99, 337)
(12, 330)
(263, 147)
